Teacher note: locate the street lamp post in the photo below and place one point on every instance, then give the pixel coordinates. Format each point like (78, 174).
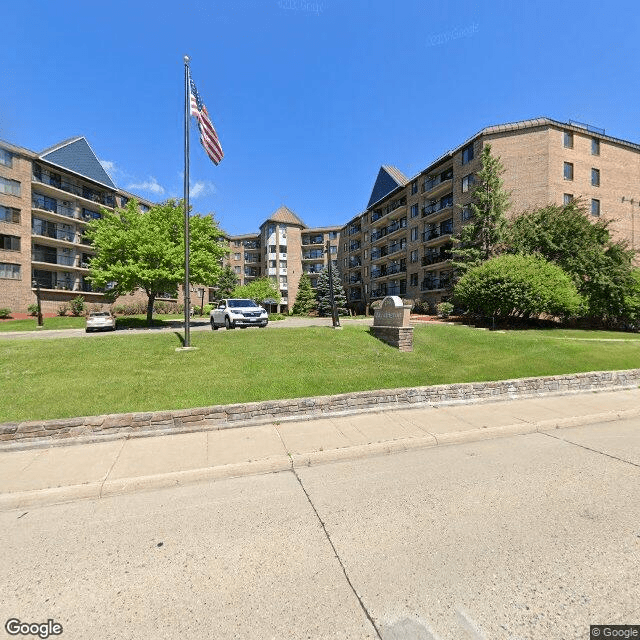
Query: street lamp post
(35, 284)
(335, 319)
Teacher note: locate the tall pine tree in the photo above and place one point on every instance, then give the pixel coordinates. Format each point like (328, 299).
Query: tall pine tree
(483, 236)
(306, 298)
(322, 291)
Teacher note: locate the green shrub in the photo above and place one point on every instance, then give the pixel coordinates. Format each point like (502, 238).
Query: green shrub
(421, 307)
(518, 285)
(208, 308)
(5, 312)
(33, 309)
(77, 306)
(445, 309)
(63, 309)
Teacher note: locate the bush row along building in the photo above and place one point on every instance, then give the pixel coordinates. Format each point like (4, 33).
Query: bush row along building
(399, 245)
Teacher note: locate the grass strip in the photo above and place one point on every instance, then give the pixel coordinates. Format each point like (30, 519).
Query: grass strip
(53, 378)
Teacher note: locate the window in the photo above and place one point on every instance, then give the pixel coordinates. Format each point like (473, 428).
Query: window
(413, 280)
(283, 264)
(568, 140)
(568, 198)
(283, 281)
(236, 256)
(333, 235)
(414, 187)
(282, 248)
(414, 210)
(595, 207)
(272, 248)
(467, 154)
(6, 158)
(9, 271)
(568, 171)
(10, 187)
(8, 214)
(595, 177)
(237, 269)
(414, 233)
(123, 201)
(595, 147)
(467, 182)
(272, 264)
(414, 256)
(334, 249)
(9, 243)
(467, 212)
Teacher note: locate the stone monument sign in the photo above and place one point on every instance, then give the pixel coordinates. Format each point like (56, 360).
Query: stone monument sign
(391, 324)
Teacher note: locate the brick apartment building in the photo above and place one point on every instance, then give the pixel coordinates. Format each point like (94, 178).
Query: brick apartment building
(284, 249)
(46, 199)
(400, 245)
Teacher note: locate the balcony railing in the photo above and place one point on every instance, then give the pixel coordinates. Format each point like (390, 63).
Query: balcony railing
(250, 244)
(379, 273)
(354, 278)
(395, 268)
(378, 253)
(38, 201)
(435, 257)
(354, 262)
(312, 268)
(442, 230)
(397, 225)
(379, 293)
(355, 245)
(58, 234)
(436, 207)
(313, 255)
(397, 290)
(432, 183)
(354, 229)
(394, 247)
(312, 240)
(65, 261)
(430, 284)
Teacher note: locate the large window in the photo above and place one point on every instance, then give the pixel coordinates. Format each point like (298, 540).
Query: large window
(568, 198)
(9, 187)
(595, 207)
(467, 182)
(6, 158)
(414, 233)
(9, 214)
(595, 177)
(467, 154)
(9, 271)
(568, 171)
(595, 147)
(414, 210)
(9, 243)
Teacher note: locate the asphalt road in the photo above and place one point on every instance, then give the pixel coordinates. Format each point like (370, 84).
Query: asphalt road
(530, 537)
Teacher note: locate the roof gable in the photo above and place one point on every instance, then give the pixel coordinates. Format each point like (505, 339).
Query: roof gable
(286, 216)
(77, 156)
(389, 178)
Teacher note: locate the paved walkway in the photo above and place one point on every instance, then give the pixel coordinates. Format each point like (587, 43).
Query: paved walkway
(63, 473)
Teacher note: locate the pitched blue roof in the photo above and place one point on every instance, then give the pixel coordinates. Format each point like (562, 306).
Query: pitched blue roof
(389, 178)
(77, 156)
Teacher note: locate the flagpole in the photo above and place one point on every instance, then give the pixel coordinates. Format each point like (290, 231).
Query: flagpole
(187, 302)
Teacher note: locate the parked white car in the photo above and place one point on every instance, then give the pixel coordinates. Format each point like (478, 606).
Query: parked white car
(97, 320)
(238, 312)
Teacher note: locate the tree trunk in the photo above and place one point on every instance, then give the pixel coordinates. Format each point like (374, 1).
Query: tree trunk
(150, 301)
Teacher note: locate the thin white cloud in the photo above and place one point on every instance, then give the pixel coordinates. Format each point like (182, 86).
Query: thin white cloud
(202, 188)
(151, 185)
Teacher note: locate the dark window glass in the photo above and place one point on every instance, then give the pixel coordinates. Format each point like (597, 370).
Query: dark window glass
(568, 171)
(595, 177)
(467, 154)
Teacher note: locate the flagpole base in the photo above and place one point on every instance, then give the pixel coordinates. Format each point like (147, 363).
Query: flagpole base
(186, 348)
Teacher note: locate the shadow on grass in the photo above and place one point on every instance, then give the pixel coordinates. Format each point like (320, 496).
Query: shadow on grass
(180, 337)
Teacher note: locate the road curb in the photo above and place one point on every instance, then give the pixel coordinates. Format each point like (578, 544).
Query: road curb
(121, 486)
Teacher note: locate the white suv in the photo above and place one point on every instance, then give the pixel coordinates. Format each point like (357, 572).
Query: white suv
(238, 312)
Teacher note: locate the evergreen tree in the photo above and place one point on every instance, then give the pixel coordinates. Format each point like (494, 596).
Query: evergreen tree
(322, 291)
(483, 236)
(226, 283)
(306, 298)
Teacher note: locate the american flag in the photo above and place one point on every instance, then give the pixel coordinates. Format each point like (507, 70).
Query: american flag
(208, 135)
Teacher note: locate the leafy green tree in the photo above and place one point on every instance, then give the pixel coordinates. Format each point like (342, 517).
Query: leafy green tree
(322, 291)
(600, 268)
(306, 298)
(483, 236)
(261, 290)
(520, 286)
(226, 283)
(632, 300)
(145, 250)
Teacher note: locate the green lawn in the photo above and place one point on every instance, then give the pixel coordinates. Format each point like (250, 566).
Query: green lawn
(51, 378)
(71, 322)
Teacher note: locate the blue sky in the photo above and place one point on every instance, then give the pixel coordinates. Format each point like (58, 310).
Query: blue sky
(309, 97)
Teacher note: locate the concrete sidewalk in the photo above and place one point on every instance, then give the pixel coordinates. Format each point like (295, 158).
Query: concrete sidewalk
(64, 473)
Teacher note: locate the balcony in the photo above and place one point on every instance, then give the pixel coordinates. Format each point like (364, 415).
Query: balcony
(437, 184)
(312, 268)
(379, 252)
(433, 208)
(52, 179)
(445, 229)
(397, 290)
(251, 244)
(395, 267)
(354, 278)
(355, 245)
(433, 257)
(380, 272)
(379, 293)
(354, 262)
(354, 229)
(42, 202)
(47, 231)
(355, 295)
(431, 284)
(394, 247)
(313, 255)
(379, 233)
(397, 226)
(307, 240)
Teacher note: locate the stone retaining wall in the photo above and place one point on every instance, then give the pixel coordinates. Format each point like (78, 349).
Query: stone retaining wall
(399, 337)
(252, 413)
